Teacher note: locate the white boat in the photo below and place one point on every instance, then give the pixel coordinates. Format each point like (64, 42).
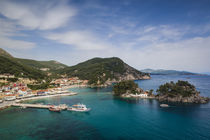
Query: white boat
(79, 108)
(1, 101)
(63, 106)
(164, 105)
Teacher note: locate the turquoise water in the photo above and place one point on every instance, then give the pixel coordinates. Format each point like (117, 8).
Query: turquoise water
(111, 118)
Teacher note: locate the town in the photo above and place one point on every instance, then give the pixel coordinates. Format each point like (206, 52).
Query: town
(17, 89)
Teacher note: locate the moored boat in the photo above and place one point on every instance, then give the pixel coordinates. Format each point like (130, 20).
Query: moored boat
(54, 109)
(79, 108)
(164, 105)
(1, 101)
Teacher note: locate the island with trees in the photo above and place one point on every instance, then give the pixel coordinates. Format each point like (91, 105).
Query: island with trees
(129, 88)
(181, 91)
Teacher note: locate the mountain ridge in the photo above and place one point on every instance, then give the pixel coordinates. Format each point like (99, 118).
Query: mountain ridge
(168, 72)
(104, 71)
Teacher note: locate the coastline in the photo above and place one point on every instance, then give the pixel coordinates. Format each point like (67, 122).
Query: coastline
(7, 104)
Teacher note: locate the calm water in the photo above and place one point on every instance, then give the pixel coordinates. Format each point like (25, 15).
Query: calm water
(111, 118)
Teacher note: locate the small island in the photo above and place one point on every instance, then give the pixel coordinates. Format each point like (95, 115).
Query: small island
(181, 91)
(129, 89)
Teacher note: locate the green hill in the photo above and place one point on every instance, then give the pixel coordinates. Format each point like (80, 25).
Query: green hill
(104, 70)
(5, 54)
(11, 66)
(51, 65)
(26, 67)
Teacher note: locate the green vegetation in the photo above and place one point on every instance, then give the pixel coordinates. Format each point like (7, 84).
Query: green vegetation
(125, 87)
(183, 88)
(28, 68)
(99, 70)
(11, 66)
(39, 86)
(4, 53)
(51, 65)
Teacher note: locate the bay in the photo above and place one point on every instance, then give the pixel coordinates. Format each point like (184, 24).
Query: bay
(110, 117)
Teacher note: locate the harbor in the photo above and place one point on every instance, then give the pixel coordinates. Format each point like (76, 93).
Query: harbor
(17, 102)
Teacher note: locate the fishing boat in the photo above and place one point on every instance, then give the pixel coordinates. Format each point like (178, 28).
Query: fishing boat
(164, 105)
(79, 108)
(54, 109)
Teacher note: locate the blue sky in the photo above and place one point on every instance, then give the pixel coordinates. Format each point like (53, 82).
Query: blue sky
(144, 33)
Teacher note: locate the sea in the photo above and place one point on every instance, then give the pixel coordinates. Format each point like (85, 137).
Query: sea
(112, 118)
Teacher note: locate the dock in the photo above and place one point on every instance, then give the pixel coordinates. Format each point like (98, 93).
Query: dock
(31, 105)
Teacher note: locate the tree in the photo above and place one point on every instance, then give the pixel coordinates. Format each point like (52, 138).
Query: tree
(125, 87)
(183, 88)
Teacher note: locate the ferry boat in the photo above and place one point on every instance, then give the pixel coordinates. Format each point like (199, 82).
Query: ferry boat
(79, 108)
(164, 105)
(54, 109)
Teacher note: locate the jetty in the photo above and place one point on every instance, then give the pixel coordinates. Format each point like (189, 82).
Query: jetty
(31, 105)
(17, 102)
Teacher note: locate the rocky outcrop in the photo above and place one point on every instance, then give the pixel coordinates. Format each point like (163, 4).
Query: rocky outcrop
(180, 99)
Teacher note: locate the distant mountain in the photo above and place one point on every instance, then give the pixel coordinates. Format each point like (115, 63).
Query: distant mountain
(101, 71)
(167, 72)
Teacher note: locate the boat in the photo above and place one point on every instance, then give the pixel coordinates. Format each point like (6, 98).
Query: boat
(63, 106)
(79, 108)
(54, 109)
(164, 105)
(1, 101)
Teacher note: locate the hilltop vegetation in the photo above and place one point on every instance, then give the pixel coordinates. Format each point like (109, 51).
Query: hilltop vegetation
(100, 70)
(183, 88)
(51, 65)
(4, 53)
(28, 68)
(11, 66)
(125, 87)
(182, 91)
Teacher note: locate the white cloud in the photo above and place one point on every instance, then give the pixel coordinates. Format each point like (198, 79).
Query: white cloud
(191, 54)
(82, 40)
(7, 31)
(43, 15)
(15, 44)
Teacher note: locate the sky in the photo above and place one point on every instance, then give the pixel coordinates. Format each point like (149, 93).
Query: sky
(157, 34)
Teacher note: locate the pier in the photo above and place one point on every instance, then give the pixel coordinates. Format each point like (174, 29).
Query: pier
(31, 105)
(61, 106)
